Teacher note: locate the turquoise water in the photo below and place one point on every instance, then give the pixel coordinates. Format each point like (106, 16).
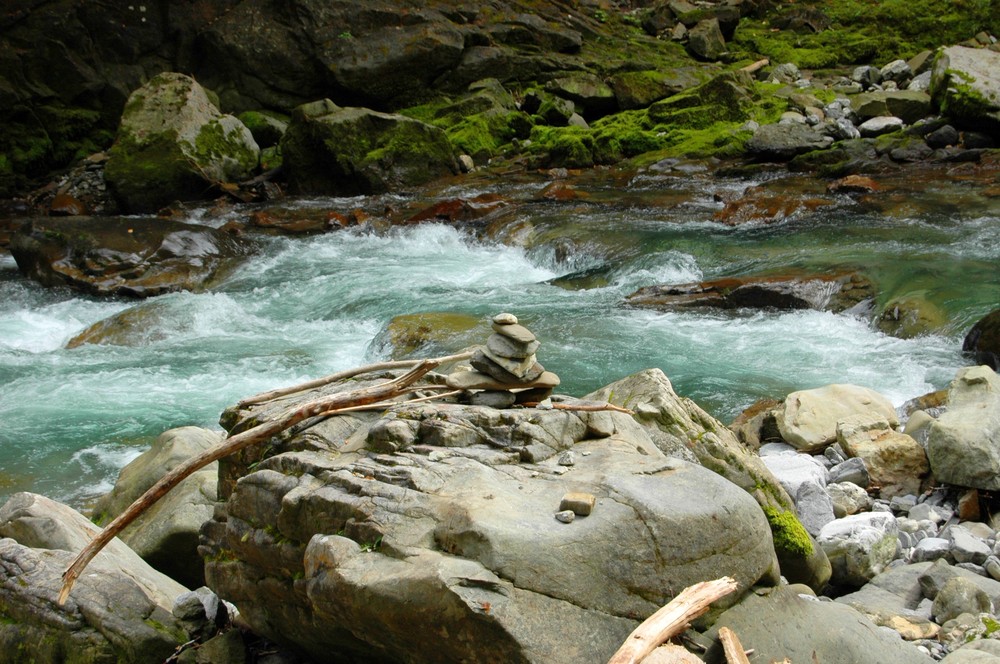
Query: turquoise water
(71, 418)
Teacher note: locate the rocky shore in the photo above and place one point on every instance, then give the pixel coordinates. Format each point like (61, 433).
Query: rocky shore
(432, 527)
(484, 516)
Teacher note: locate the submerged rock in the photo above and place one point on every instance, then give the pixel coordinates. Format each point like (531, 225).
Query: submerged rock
(824, 292)
(132, 256)
(174, 143)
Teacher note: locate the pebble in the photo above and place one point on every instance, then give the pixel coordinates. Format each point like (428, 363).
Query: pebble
(566, 516)
(567, 458)
(505, 319)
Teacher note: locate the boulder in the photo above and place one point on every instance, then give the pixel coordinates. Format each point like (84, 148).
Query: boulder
(119, 609)
(910, 316)
(166, 534)
(781, 142)
(896, 462)
(965, 86)
(130, 256)
(174, 143)
(824, 292)
(808, 419)
(908, 105)
(679, 427)
(983, 340)
(962, 442)
(859, 546)
(350, 151)
(107, 618)
(782, 624)
(590, 95)
(639, 89)
(440, 519)
(957, 596)
(705, 40)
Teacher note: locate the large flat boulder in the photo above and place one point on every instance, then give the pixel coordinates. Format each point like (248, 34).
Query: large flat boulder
(348, 151)
(808, 418)
(962, 442)
(441, 519)
(174, 143)
(965, 86)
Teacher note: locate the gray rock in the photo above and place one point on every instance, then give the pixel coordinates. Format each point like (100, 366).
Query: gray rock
(493, 398)
(841, 129)
(109, 616)
(848, 498)
(930, 549)
(565, 516)
(879, 126)
(926, 511)
(166, 534)
(957, 596)
(965, 85)
(42, 523)
(859, 546)
(680, 428)
(867, 76)
(808, 419)
(921, 82)
(782, 142)
(852, 471)
(943, 137)
(961, 444)
(846, 637)
(992, 566)
(814, 507)
(967, 548)
(172, 143)
(890, 609)
(793, 470)
(786, 73)
(705, 40)
(897, 70)
(517, 333)
(933, 578)
(503, 346)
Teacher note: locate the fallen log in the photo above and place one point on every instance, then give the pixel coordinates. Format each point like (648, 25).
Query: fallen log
(328, 405)
(671, 619)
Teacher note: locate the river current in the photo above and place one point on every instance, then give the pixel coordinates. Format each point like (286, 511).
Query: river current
(70, 419)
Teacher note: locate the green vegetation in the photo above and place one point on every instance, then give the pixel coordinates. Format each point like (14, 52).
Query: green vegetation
(852, 32)
(788, 533)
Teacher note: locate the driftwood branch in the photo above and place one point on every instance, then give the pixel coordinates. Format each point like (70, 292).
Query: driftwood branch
(327, 404)
(342, 375)
(760, 64)
(582, 407)
(671, 619)
(732, 647)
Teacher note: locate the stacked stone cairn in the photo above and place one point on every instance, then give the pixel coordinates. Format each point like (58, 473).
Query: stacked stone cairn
(505, 370)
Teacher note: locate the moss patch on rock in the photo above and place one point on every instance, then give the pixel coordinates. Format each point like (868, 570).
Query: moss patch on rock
(788, 533)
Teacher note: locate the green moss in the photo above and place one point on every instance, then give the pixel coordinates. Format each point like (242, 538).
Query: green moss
(963, 103)
(217, 145)
(860, 31)
(788, 534)
(568, 147)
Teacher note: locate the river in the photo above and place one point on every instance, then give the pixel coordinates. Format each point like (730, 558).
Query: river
(308, 306)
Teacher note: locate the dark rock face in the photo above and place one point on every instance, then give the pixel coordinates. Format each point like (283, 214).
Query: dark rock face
(821, 291)
(137, 257)
(983, 340)
(348, 151)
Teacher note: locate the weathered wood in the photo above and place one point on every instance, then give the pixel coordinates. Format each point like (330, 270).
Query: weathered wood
(732, 647)
(671, 654)
(671, 619)
(590, 408)
(342, 375)
(262, 432)
(760, 64)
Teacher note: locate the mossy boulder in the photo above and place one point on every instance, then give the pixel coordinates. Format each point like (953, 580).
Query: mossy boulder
(267, 127)
(639, 89)
(726, 97)
(348, 151)
(965, 86)
(174, 143)
(588, 92)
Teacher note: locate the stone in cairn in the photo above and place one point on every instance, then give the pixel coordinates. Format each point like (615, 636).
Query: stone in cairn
(507, 362)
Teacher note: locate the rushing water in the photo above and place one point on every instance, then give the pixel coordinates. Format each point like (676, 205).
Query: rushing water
(305, 307)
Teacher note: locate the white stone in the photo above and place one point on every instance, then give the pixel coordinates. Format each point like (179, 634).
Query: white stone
(859, 546)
